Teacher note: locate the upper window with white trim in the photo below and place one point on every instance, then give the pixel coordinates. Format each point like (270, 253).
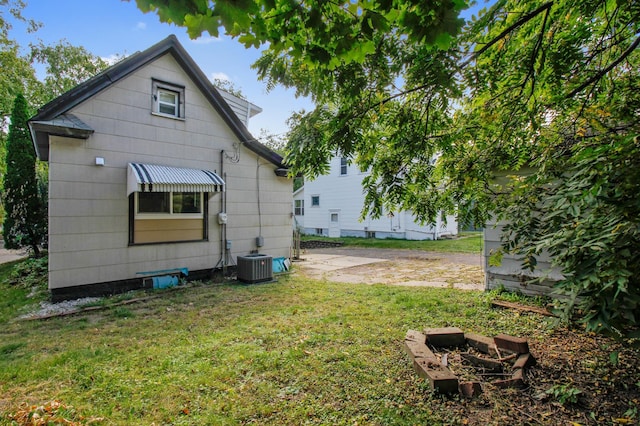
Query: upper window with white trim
(344, 163)
(168, 99)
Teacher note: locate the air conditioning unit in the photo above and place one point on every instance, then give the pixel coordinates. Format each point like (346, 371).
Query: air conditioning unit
(255, 268)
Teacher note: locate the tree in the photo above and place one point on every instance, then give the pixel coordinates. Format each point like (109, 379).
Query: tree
(66, 67)
(550, 85)
(25, 222)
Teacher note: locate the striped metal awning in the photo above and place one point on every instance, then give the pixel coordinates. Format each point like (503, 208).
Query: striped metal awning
(154, 178)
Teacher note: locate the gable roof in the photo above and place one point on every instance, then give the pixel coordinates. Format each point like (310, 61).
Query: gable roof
(47, 120)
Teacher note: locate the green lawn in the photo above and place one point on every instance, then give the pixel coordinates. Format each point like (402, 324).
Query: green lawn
(293, 352)
(467, 242)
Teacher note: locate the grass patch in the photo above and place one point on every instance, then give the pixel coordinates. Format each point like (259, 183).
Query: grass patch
(294, 352)
(467, 242)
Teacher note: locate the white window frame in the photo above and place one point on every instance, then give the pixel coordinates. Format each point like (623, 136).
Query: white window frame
(161, 87)
(170, 214)
(315, 205)
(298, 207)
(344, 166)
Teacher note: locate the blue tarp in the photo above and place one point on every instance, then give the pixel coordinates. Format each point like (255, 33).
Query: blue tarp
(280, 264)
(165, 281)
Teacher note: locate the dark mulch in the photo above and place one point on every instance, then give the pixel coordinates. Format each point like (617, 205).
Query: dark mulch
(602, 376)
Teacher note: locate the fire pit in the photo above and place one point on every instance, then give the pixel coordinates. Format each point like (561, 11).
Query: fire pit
(454, 361)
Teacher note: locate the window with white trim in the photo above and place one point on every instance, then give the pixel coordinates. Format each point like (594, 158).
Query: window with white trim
(315, 201)
(167, 217)
(168, 99)
(298, 207)
(168, 203)
(343, 166)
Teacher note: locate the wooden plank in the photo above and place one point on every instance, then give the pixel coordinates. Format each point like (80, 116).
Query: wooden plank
(482, 343)
(440, 378)
(512, 343)
(521, 307)
(490, 365)
(446, 336)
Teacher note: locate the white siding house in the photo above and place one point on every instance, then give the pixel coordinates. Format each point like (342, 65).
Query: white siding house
(151, 169)
(332, 205)
(506, 270)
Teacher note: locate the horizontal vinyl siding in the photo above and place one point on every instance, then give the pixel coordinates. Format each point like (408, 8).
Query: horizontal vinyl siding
(510, 274)
(89, 208)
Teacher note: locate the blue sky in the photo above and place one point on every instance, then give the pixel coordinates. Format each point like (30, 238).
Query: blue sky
(114, 27)
(109, 27)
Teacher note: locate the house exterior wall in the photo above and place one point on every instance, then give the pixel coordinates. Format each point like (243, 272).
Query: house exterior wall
(343, 195)
(509, 273)
(298, 219)
(89, 207)
(242, 108)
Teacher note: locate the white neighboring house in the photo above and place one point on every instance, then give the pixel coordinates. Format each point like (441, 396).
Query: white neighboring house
(331, 205)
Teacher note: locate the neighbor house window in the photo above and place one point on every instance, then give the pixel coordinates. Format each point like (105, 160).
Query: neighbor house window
(315, 201)
(162, 217)
(298, 208)
(343, 166)
(168, 99)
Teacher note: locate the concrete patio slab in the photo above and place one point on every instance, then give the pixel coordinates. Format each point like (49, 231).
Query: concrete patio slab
(394, 267)
(334, 262)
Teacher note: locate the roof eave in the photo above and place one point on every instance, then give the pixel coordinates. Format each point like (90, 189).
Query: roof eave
(89, 88)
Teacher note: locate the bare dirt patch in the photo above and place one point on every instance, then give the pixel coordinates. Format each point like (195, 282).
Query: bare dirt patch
(396, 267)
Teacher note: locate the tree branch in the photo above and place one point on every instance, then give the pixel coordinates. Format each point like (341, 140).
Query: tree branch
(526, 18)
(605, 70)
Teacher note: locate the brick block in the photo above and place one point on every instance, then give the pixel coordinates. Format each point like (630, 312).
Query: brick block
(482, 343)
(415, 336)
(440, 378)
(516, 381)
(419, 350)
(511, 343)
(524, 361)
(489, 365)
(470, 389)
(444, 337)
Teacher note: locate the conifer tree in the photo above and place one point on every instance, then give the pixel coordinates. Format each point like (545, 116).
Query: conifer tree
(25, 222)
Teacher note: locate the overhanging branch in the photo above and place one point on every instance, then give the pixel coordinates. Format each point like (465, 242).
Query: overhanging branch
(526, 18)
(605, 70)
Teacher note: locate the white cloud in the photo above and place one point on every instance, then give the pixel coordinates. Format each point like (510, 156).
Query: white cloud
(206, 40)
(141, 26)
(113, 58)
(220, 76)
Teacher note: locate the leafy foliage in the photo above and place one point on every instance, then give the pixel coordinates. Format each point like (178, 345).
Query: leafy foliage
(25, 223)
(66, 67)
(565, 393)
(31, 272)
(25, 197)
(322, 34)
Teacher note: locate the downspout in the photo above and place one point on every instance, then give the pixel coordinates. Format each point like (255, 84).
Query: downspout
(223, 254)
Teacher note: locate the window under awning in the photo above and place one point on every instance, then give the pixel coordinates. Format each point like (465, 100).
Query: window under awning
(154, 178)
